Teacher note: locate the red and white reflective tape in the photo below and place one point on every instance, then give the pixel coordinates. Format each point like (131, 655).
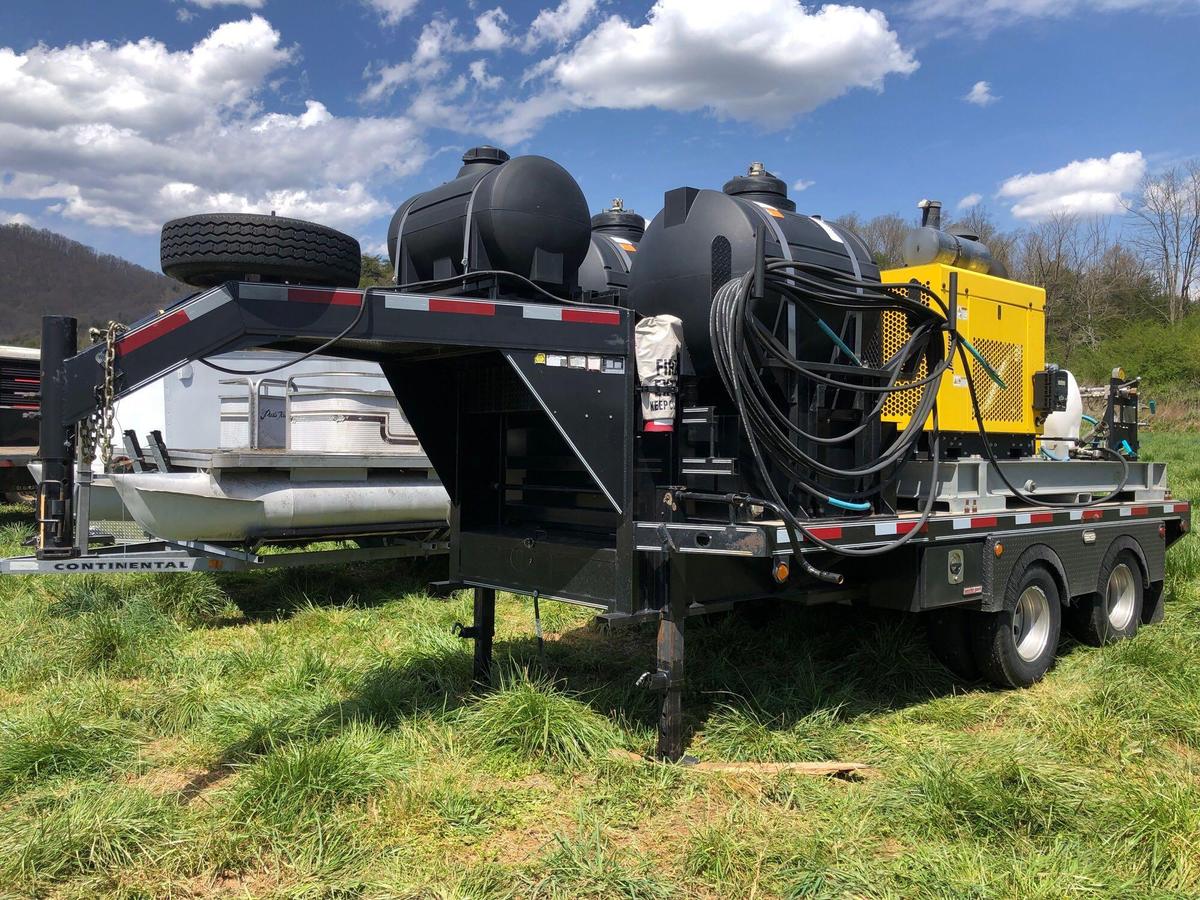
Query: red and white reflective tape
(946, 526)
(590, 316)
(897, 527)
(218, 297)
(189, 312)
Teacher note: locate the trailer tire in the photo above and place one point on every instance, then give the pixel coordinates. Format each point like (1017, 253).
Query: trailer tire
(205, 250)
(1016, 646)
(949, 633)
(1114, 611)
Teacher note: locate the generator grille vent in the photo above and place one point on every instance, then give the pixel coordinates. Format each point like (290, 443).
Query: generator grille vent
(999, 404)
(896, 331)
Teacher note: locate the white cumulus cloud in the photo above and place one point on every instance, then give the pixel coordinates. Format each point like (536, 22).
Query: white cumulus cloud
(766, 63)
(12, 218)
(479, 74)
(129, 135)
(558, 24)
(981, 94)
(970, 200)
(1083, 187)
(428, 61)
(392, 11)
(802, 184)
(490, 30)
(432, 58)
(983, 16)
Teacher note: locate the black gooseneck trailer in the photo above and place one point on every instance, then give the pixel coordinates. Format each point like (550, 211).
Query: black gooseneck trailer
(530, 409)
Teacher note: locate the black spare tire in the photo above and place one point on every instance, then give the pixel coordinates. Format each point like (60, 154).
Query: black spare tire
(204, 250)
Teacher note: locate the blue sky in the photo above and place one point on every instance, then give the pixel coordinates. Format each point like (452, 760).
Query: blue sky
(115, 116)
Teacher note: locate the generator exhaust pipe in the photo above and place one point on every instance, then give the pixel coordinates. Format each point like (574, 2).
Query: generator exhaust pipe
(56, 442)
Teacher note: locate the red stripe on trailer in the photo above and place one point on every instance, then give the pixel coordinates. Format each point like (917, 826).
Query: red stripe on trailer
(1042, 518)
(592, 316)
(464, 307)
(1181, 507)
(983, 521)
(1092, 514)
(1140, 511)
(332, 298)
(827, 533)
(143, 336)
(658, 426)
(906, 527)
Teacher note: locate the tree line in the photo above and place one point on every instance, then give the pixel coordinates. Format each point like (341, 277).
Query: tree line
(1100, 277)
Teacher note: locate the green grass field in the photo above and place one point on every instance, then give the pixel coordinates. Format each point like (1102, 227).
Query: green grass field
(313, 734)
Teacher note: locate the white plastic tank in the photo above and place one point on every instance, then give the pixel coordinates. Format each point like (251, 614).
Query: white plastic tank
(1064, 424)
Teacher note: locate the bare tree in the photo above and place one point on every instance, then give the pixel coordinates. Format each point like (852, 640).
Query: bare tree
(1002, 244)
(1168, 234)
(883, 235)
(1092, 281)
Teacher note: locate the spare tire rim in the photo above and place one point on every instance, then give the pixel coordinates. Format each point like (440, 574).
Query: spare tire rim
(1119, 596)
(1031, 623)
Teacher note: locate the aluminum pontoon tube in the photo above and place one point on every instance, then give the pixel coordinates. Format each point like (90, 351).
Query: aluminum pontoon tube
(197, 506)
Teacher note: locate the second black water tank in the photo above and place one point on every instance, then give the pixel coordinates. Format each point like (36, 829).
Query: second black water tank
(703, 238)
(616, 232)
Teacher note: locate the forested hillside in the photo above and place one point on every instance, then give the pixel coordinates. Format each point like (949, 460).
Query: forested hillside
(43, 272)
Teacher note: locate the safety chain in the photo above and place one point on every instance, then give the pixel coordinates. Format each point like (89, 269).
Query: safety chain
(96, 430)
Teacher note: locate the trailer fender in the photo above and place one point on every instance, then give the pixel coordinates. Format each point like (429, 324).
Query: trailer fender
(1130, 543)
(998, 569)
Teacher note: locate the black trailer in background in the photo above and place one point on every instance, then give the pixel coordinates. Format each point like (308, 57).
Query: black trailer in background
(20, 370)
(529, 412)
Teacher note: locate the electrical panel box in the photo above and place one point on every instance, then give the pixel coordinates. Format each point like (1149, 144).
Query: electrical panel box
(1006, 322)
(1050, 389)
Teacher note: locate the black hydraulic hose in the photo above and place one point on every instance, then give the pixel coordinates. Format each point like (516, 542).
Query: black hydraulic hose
(499, 273)
(362, 309)
(742, 345)
(1019, 494)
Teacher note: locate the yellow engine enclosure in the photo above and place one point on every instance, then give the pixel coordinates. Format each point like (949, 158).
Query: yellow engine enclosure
(1006, 321)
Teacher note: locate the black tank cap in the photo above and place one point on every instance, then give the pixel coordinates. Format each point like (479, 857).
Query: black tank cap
(485, 154)
(759, 184)
(619, 219)
(482, 157)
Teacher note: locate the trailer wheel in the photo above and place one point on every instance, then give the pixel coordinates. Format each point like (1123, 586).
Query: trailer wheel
(1114, 612)
(949, 634)
(1015, 647)
(205, 250)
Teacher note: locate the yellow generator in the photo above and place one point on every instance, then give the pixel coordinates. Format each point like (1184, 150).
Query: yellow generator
(1005, 320)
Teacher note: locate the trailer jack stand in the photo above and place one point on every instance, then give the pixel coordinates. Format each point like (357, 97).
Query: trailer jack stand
(481, 632)
(668, 680)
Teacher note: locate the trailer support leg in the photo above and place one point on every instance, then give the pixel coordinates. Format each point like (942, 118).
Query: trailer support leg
(483, 630)
(56, 443)
(670, 669)
(667, 678)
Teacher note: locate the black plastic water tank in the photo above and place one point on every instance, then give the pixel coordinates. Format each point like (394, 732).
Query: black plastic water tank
(525, 215)
(615, 235)
(703, 238)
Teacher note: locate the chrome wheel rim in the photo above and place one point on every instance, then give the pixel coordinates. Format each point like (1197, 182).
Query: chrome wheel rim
(1031, 623)
(1119, 596)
